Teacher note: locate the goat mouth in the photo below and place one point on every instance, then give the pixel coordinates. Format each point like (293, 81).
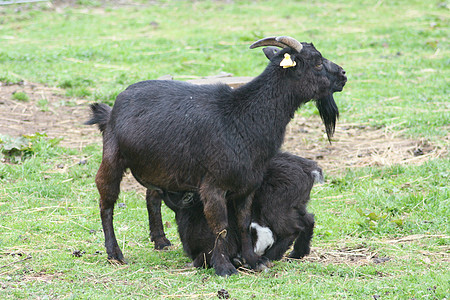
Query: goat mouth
(339, 86)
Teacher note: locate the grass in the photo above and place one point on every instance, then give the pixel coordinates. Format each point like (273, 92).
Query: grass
(49, 210)
(398, 71)
(396, 57)
(20, 96)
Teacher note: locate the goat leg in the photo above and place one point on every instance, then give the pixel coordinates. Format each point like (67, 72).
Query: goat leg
(157, 234)
(203, 260)
(249, 256)
(302, 244)
(108, 184)
(220, 259)
(215, 210)
(112, 247)
(278, 249)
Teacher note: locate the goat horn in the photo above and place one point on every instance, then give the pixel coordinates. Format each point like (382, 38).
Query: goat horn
(290, 42)
(268, 41)
(281, 41)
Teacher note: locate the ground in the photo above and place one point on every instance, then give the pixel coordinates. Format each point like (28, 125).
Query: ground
(354, 145)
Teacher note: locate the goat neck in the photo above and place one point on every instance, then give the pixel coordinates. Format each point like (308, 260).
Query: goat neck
(274, 93)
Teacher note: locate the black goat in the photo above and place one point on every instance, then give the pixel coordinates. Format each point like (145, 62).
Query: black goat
(175, 136)
(279, 215)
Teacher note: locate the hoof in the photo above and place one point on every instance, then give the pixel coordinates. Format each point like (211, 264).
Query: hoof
(226, 270)
(295, 255)
(238, 262)
(263, 264)
(261, 268)
(117, 262)
(162, 244)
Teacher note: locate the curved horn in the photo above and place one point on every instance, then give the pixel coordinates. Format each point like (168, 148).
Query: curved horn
(268, 41)
(280, 41)
(290, 42)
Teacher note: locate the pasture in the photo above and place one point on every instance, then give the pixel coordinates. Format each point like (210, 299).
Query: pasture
(382, 215)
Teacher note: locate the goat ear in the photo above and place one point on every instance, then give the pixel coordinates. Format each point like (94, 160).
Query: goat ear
(270, 52)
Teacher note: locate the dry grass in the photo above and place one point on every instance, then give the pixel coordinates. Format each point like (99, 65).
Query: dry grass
(356, 145)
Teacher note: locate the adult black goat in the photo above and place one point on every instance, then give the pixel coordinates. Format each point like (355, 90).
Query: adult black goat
(279, 214)
(175, 136)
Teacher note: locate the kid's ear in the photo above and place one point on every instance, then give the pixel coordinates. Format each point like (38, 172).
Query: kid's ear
(270, 51)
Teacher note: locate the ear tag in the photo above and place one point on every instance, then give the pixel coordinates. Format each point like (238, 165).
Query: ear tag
(287, 62)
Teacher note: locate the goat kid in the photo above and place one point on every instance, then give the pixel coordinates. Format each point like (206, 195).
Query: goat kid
(210, 139)
(279, 214)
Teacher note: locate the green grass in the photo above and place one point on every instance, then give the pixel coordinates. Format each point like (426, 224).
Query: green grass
(49, 209)
(20, 96)
(396, 53)
(396, 57)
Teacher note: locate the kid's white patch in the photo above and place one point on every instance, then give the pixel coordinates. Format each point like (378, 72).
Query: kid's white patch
(264, 238)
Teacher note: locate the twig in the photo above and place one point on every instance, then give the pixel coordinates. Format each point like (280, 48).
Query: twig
(21, 1)
(417, 237)
(189, 295)
(15, 262)
(224, 233)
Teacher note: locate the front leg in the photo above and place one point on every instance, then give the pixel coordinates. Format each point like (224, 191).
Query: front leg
(216, 214)
(243, 211)
(157, 234)
(280, 247)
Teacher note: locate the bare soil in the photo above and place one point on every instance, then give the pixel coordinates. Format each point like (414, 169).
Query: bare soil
(354, 145)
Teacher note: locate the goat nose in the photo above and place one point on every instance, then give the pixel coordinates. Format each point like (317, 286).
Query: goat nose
(344, 77)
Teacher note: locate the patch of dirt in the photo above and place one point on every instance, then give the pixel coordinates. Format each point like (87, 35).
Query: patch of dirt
(354, 145)
(47, 111)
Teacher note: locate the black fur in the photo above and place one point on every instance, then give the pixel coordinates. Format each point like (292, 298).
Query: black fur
(279, 204)
(175, 136)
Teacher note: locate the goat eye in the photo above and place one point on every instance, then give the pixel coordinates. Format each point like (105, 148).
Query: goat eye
(319, 66)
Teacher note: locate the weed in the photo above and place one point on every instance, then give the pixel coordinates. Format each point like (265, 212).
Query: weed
(20, 96)
(16, 150)
(43, 104)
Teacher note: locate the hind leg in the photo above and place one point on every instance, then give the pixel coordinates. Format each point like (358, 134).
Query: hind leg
(108, 181)
(302, 244)
(157, 234)
(243, 212)
(203, 260)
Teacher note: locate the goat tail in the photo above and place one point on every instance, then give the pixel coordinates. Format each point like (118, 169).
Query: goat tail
(317, 175)
(100, 114)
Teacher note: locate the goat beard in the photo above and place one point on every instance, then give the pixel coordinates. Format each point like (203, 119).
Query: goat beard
(329, 113)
